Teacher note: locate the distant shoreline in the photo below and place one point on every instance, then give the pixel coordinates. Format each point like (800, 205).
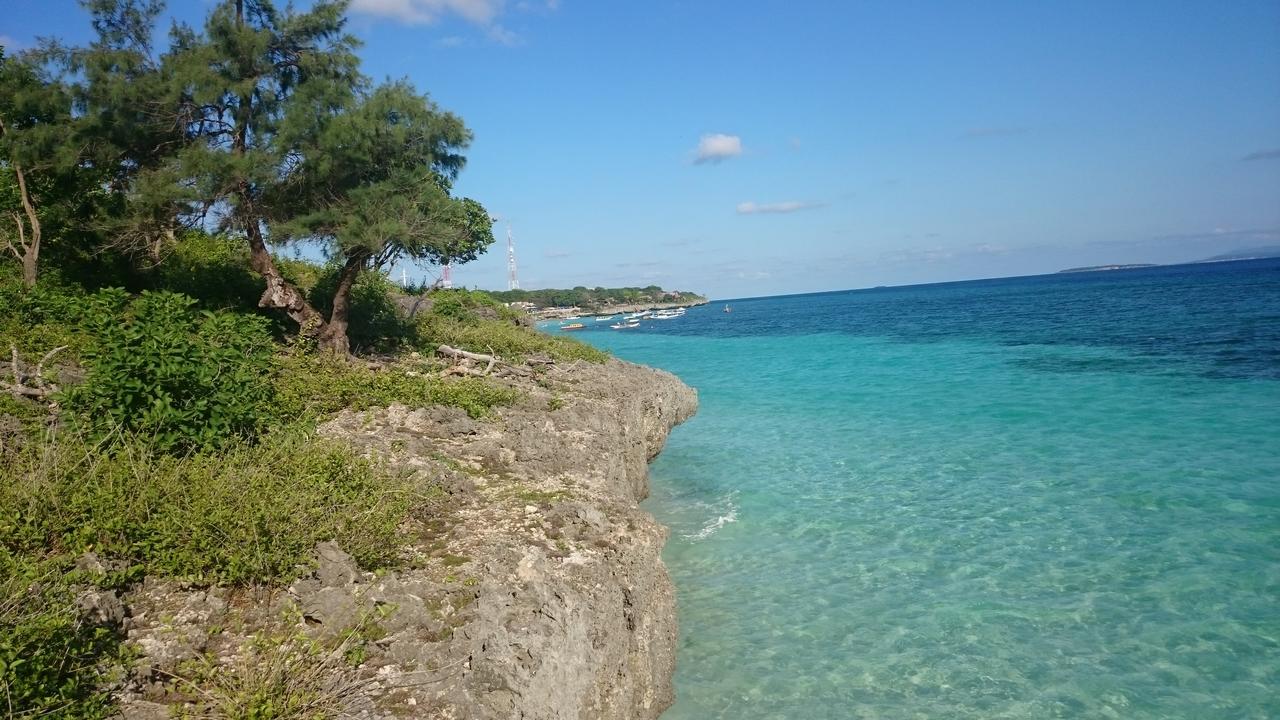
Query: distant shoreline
(1103, 268)
(562, 313)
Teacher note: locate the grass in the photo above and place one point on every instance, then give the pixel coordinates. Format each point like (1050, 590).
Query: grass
(276, 676)
(250, 514)
(310, 386)
(52, 659)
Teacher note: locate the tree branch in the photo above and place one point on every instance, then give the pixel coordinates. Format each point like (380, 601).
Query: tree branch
(40, 365)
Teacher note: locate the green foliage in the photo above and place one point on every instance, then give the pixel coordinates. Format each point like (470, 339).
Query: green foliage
(509, 341)
(276, 676)
(375, 177)
(51, 659)
(302, 273)
(41, 318)
(183, 378)
(475, 321)
(315, 386)
(248, 514)
(213, 269)
(466, 305)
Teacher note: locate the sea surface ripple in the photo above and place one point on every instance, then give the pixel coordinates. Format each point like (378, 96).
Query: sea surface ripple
(1055, 496)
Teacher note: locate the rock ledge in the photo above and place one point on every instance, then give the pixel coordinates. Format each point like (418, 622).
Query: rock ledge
(537, 591)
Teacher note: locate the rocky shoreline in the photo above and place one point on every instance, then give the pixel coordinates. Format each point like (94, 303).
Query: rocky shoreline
(536, 591)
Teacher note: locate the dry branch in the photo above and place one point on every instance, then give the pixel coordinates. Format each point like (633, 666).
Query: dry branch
(494, 365)
(32, 386)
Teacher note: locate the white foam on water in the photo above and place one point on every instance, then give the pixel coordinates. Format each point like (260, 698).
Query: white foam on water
(710, 528)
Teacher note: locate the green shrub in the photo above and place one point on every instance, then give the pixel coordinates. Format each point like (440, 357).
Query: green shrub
(274, 676)
(36, 320)
(185, 379)
(51, 660)
(475, 321)
(315, 386)
(246, 514)
(302, 273)
(509, 341)
(468, 305)
(213, 269)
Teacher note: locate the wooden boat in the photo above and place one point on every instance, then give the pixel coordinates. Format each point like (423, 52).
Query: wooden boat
(572, 326)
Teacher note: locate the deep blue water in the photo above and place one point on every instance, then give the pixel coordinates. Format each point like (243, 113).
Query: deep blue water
(1054, 496)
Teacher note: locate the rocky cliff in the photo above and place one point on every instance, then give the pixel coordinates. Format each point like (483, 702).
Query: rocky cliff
(534, 589)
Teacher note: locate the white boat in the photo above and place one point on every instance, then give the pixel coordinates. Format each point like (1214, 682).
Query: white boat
(602, 319)
(625, 325)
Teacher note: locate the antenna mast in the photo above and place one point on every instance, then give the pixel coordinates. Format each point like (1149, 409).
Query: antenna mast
(512, 282)
(446, 276)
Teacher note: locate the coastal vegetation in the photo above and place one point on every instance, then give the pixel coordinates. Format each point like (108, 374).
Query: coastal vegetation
(164, 367)
(599, 298)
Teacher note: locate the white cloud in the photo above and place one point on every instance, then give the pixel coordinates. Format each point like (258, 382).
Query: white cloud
(484, 14)
(10, 45)
(753, 208)
(502, 36)
(717, 147)
(422, 12)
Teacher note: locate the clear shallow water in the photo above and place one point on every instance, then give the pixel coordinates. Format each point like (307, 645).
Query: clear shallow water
(1027, 498)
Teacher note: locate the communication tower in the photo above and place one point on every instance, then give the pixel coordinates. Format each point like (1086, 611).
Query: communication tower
(512, 282)
(446, 276)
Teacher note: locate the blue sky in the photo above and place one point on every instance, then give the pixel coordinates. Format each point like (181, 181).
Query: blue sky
(764, 147)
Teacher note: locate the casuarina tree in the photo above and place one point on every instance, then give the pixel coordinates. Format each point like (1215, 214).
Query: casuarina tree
(372, 183)
(237, 80)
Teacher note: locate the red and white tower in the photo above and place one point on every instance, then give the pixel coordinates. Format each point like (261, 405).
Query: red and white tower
(446, 276)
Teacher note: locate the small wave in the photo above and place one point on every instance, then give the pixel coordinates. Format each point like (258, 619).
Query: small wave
(712, 526)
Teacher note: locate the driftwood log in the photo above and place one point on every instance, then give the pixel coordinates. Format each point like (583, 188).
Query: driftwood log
(464, 363)
(35, 385)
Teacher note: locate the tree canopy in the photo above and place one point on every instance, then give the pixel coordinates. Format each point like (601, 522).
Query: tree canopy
(258, 124)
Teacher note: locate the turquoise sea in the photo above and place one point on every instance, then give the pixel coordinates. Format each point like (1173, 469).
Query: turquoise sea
(1042, 497)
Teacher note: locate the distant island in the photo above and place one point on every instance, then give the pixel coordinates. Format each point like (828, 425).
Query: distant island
(1249, 254)
(600, 299)
(1258, 253)
(1100, 268)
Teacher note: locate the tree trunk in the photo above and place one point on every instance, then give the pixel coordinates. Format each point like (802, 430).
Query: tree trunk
(31, 247)
(280, 293)
(334, 336)
(30, 266)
